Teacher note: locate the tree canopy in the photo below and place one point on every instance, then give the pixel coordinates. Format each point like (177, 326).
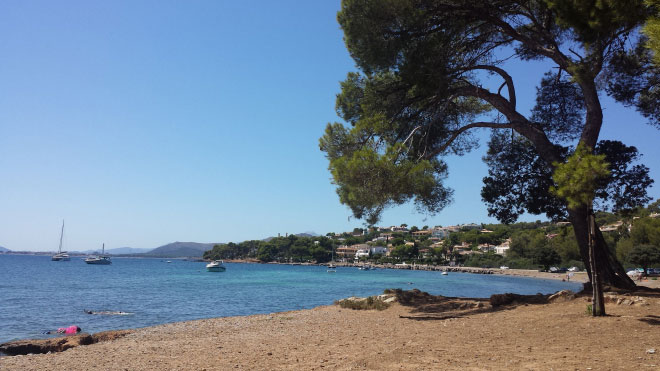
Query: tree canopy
(421, 90)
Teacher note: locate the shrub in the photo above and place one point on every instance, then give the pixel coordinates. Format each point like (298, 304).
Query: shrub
(363, 304)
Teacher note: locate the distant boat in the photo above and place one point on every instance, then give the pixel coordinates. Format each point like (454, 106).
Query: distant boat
(444, 273)
(61, 255)
(216, 266)
(331, 267)
(99, 259)
(365, 267)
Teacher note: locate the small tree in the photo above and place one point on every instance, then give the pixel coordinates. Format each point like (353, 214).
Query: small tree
(644, 255)
(577, 181)
(546, 256)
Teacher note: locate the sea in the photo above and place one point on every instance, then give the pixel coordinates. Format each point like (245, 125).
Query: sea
(39, 295)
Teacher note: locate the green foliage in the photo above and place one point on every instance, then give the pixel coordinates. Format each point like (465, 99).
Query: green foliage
(405, 252)
(652, 30)
(654, 207)
(592, 20)
(488, 260)
(577, 178)
(645, 256)
(546, 256)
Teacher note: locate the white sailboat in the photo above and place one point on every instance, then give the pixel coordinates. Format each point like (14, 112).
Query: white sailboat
(61, 255)
(99, 259)
(331, 267)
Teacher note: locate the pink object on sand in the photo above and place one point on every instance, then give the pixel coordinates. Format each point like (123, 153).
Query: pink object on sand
(71, 330)
(68, 330)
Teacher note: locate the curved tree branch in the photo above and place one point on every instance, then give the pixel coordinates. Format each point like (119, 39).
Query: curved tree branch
(456, 133)
(507, 79)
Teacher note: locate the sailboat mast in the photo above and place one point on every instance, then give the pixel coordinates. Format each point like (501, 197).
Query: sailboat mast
(61, 235)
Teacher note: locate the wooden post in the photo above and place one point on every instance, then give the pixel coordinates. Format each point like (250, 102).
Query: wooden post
(597, 301)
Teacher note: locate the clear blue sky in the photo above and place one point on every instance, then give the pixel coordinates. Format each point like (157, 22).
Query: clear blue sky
(146, 122)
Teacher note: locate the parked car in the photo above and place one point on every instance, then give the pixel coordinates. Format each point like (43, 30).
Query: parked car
(573, 269)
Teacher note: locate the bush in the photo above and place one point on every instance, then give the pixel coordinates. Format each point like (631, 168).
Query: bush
(363, 304)
(520, 263)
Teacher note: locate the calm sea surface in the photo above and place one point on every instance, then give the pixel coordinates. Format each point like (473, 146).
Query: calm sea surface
(37, 294)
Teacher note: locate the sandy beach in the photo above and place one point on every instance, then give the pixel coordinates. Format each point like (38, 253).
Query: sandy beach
(441, 334)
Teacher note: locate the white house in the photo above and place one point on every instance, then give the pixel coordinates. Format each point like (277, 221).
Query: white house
(378, 250)
(503, 248)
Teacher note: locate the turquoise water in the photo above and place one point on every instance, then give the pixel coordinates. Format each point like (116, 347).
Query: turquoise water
(37, 294)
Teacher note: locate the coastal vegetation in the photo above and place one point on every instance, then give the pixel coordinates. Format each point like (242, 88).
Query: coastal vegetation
(535, 245)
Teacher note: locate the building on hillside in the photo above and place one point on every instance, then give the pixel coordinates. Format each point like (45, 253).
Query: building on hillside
(485, 247)
(440, 232)
(503, 248)
(611, 227)
(469, 226)
(346, 252)
(485, 231)
(654, 215)
(398, 229)
(362, 253)
(422, 233)
(378, 250)
(563, 224)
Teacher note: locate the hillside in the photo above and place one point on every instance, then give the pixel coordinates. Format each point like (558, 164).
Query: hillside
(117, 251)
(180, 249)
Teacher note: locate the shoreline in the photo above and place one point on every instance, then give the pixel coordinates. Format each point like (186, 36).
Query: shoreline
(452, 333)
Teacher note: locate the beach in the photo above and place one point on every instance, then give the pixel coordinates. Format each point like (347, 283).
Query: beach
(450, 334)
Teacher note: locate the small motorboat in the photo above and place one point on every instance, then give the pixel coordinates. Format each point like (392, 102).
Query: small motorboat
(216, 266)
(444, 273)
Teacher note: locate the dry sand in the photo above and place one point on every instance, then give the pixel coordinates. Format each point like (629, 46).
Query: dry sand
(436, 336)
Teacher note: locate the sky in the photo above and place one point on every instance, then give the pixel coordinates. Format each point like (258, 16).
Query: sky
(141, 123)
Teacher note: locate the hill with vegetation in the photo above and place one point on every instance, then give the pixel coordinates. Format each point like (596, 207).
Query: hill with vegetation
(180, 249)
(530, 245)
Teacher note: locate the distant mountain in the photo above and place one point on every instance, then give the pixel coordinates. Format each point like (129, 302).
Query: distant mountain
(180, 249)
(307, 234)
(118, 251)
(2, 249)
(127, 250)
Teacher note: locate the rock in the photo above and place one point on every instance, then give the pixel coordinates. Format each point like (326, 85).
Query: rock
(651, 351)
(40, 346)
(561, 296)
(60, 344)
(508, 298)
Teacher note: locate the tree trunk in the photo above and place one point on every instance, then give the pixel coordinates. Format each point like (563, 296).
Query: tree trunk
(610, 271)
(597, 300)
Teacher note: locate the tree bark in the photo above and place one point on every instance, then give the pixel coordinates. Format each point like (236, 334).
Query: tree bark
(611, 272)
(597, 300)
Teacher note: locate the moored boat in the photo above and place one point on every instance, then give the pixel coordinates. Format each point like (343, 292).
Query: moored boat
(99, 259)
(61, 255)
(216, 266)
